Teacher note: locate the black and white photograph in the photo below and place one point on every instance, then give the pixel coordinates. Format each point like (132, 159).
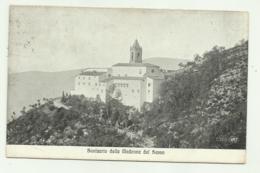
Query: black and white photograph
(127, 81)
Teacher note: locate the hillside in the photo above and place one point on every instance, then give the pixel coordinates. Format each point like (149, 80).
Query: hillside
(86, 123)
(166, 63)
(205, 105)
(25, 88)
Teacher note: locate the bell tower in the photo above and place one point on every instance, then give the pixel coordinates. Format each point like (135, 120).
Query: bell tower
(136, 53)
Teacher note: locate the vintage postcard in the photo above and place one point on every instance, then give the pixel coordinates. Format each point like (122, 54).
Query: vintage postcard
(127, 84)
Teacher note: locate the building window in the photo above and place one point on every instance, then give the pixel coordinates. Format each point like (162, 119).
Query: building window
(149, 84)
(79, 77)
(152, 70)
(149, 91)
(88, 78)
(133, 90)
(89, 83)
(137, 91)
(96, 84)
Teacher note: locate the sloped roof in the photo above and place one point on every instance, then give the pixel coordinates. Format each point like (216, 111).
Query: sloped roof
(156, 77)
(122, 78)
(136, 44)
(92, 73)
(127, 78)
(136, 64)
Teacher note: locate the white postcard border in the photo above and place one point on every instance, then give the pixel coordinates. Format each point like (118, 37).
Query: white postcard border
(138, 154)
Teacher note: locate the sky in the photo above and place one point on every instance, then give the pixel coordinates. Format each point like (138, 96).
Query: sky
(63, 38)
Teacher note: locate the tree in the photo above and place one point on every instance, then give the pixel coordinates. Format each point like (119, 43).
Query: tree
(98, 99)
(182, 65)
(39, 102)
(13, 116)
(23, 111)
(63, 98)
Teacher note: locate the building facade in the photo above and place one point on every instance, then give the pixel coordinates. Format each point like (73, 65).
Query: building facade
(134, 83)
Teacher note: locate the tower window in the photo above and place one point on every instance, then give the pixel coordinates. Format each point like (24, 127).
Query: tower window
(149, 84)
(152, 70)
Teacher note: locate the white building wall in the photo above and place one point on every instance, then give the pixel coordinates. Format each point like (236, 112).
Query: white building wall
(135, 71)
(149, 90)
(156, 88)
(130, 92)
(128, 71)
(152, 89)
(90, 87)
(153, 71)
(134, 91)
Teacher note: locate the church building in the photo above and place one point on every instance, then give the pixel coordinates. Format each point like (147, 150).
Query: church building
(135, 82)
